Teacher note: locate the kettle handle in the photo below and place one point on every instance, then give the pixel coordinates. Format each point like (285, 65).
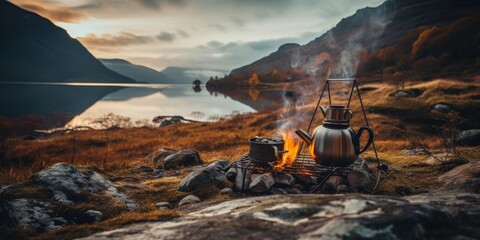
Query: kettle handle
(357, 139)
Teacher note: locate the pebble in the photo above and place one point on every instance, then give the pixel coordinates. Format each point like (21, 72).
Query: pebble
(226, 191)
(190, 199)
(162, 205)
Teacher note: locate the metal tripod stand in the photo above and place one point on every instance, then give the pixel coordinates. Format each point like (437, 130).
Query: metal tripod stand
(380, 167)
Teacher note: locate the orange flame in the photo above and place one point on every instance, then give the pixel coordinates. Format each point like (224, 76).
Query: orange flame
(292, 146)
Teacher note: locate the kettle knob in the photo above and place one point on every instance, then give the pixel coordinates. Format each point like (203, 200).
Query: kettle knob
(348, 115)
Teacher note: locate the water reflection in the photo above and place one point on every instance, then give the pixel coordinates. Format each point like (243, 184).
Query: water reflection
(138, 102)
(146, 103)
(18, 100)
(258, 99)
(197, 88)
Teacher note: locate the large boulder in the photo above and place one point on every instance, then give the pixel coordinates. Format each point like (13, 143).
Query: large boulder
(68, 183)
(211, 175)
(187, 157)
(58, 196)
(31, 213)
(469, 138)
(158, 157)
(464, 178)
(430, 216)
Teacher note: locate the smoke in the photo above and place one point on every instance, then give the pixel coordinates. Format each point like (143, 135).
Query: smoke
(363, 38)
(337, 55)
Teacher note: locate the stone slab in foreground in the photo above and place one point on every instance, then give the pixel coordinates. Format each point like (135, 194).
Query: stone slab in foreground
(429, 216)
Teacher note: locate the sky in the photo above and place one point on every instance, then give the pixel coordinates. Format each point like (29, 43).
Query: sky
(213, 34)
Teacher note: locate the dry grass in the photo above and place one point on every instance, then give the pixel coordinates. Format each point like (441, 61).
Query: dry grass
(389, 117)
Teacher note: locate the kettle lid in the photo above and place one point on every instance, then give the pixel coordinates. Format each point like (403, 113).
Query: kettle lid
(337, 114)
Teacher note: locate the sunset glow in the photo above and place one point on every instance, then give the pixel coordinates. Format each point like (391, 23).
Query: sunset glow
(206, 34)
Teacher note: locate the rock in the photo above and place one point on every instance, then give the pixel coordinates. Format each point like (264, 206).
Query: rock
(359, 176)
(231, 174)
(162, 205)
(226, 191)
(169, 120)
(187, 157)
(407, 93)
(282, 191)
(158, 157)
(299, 187)
(33, 214)
(307, 216)
(342, 189)
(243, 179)
(464, 178)
(143, 169)
(68, 183)
(468, 138)
(293, 190)
(439, 158)
(443, 107)
(278, 191)
(158, 173)
(284, 179)
(209, 176)
(94, 215)
(306, 180)
(190, 199)
(332, 183)
(261, 182)
(414, 152)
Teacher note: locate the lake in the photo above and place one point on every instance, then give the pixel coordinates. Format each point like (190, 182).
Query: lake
(138, 102)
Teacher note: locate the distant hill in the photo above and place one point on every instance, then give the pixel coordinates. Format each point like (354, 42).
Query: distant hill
(138, 73)
(188, 75)
(413, 39)
(33, 49)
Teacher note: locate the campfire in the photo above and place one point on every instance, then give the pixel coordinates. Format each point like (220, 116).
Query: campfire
(293, 146)
(333, 164)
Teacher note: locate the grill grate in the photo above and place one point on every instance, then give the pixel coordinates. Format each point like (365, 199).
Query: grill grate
(303, 165)
(306, 166)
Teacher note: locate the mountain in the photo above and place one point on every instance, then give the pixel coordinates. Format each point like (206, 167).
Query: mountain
(417, 39)
(137, 72)
(33, 49)
(188, 75)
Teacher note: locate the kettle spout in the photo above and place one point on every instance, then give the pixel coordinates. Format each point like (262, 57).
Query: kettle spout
(304, 136)
(324, 110)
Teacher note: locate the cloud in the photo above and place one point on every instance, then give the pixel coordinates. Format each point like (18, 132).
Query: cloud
(239, 21)
(126, 6)
(218, 27)
(182, 33)
(216, 54)
(270, 44)
(157, 4)
(114, 40)
(215, 44)
(55, 14)
(166, 37)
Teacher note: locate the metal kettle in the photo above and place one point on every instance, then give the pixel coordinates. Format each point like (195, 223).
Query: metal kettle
(335, 143)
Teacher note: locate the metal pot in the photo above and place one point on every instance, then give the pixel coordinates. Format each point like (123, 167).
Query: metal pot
(264, 154)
